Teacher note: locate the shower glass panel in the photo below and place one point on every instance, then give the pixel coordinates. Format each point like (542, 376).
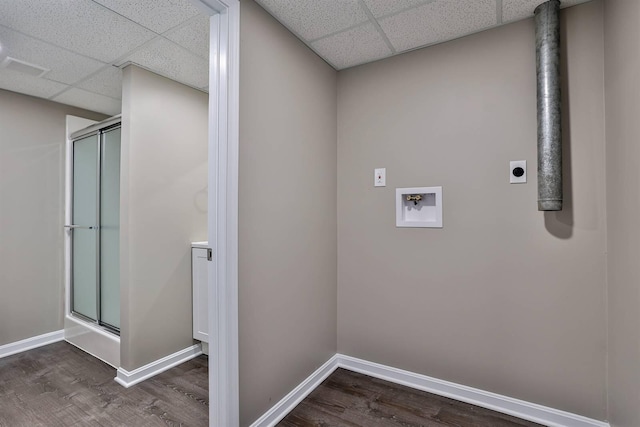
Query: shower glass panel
(110, 229)
(85, 221)
(95, 261)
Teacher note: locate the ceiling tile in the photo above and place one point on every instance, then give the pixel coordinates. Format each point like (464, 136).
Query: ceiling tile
(24, 83)
(107, 82)
(78, 25)
(438, 21)
(315, 19)
(513, 10)
(194, 36)
(385, 7)
(356, 46)
(90, 101)
(170, 60)
(64, 66)
(156, 15)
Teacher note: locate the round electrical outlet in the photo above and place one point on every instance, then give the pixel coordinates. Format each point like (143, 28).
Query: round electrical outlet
(518, 172)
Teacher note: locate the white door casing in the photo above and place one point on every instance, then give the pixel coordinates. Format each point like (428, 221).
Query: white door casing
(223, 209)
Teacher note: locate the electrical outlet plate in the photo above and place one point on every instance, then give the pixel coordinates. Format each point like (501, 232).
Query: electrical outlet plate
(517, 179)
(380, 177)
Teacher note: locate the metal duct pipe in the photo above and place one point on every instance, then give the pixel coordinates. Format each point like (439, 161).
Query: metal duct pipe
(549, 128)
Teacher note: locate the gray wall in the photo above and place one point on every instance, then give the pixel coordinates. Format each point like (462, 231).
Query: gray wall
(622, 68)
(32, 167)
(503, 298)
(163, 209)
(287, 212)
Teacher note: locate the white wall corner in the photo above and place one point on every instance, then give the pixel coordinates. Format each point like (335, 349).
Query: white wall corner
(274, 415)
(129, 378)
(31, 343)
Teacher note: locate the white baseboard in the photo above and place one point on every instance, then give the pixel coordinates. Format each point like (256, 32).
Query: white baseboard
(507, 405)
(127, 379)
(29, 343)
(518, 408)
(291, 400)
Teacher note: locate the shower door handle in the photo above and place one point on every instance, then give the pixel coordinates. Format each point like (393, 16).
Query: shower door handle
(85, 227)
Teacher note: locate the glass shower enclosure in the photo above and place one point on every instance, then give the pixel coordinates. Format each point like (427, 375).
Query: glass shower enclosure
(95, 227)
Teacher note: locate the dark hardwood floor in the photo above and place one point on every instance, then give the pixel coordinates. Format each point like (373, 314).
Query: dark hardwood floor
(350, 399)
(60, 385)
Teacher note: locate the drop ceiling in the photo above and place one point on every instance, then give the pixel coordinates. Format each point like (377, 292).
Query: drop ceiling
(346, 33)
(72, 51)
(82, 45)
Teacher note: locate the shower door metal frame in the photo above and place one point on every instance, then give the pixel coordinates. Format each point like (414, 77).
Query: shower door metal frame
(99, 130)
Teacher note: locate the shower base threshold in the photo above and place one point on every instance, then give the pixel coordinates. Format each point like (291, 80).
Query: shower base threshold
(92, 339)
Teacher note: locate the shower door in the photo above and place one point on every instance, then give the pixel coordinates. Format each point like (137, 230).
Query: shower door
(95, 239)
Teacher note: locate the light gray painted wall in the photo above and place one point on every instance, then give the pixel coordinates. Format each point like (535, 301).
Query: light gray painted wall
(503, 298)
(163, 209)
(287, 212)
(32, 165)
(622, 68)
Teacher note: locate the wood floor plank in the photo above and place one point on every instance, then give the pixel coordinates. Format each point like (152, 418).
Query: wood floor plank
(307, 415)
(60, 386)
(352, 399)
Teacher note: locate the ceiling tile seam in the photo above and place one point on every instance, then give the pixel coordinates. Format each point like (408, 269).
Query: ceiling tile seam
(329, 63)
(335, 33)
(124, 56)
(447, 40)
(377, 26)
(51, 44)
(531, 15)
(369, 61)
(291, 30)
(187, 49)
(118, 61)
(403, 10)
(498, 12)
(302, 39)
(43, 77)
(82, 80)
(88, 91)
(162, 36)
(126, 17)
(111, 63)
(161, 75)
(181, 25)
(174, 28)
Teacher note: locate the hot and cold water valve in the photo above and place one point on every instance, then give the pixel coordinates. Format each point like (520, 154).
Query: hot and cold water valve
(419, 207)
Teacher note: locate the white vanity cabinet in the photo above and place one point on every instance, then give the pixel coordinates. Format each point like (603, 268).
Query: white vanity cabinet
(199, 273)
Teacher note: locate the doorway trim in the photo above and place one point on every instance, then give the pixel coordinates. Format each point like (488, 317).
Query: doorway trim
(224, 99)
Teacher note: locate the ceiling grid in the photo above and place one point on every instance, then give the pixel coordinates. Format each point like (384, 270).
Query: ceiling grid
(392, 26)
(377, 27)
(83, 44)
